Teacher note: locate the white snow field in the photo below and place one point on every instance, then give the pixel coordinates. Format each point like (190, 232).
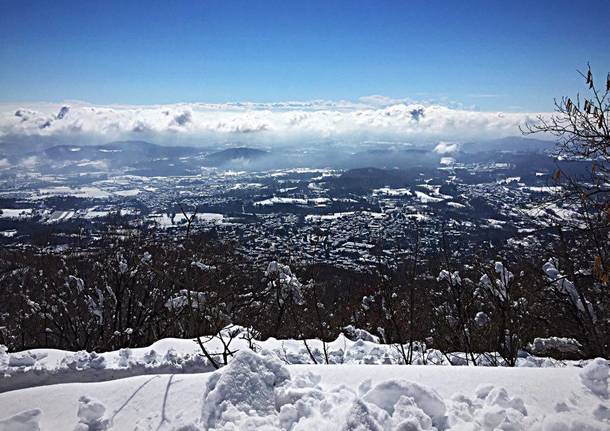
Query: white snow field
(171, 386)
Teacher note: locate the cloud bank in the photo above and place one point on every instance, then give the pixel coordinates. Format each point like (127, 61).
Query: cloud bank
(372, 117)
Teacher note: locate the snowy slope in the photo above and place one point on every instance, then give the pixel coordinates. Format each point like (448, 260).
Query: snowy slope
(171, 355)
(258, 391)
(170, 385)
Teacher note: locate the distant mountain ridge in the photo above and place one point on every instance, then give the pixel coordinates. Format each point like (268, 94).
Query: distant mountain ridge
(231, 155)
(510, 143)
(123, 150)
(146, 158)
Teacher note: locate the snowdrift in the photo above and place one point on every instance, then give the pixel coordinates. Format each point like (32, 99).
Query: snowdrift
(258, 391)
(178, 356)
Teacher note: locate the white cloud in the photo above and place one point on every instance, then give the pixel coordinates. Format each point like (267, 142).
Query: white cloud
(29, 162)
(371, 117)
(446, 148)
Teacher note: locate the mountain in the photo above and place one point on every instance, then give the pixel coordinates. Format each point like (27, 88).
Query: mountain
(125, 151)
(511, 143)
(235, 156)
(363, 180)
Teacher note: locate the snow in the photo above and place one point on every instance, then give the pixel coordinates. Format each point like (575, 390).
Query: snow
(249, 186)
(495, 224)
(79, 192)
(23, 359)
(196, 299)
(283, 200)
(456, 205)
(425, 199)
(92, 213)
(170, 385)
(202, 266)
(545, 346)
(15, 213)
(509, 180)
(417, 216)
(127, 193)
(5, 359)
(335, 216)
(500, 287)
(24, 421)
(49, 366)
(482, 319)
(388, 394)
(388, 191)
(210, 217)
(355, 334)
(452, 279)
(544, 189)
(259, 391)
(165, 221)
(254, 405)
(286, 283)
(59, 216)
(91, 415)
(595, 377)
(566, 287)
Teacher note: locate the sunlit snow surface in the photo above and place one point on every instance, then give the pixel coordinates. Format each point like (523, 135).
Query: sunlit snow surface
(270, 390)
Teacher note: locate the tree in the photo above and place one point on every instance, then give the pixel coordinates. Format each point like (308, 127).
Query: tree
(582, 128)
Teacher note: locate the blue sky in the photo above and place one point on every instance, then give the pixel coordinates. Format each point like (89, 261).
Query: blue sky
(495, 55)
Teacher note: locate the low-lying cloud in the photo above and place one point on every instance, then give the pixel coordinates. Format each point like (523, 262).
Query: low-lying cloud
(373, 117)
(446, 148)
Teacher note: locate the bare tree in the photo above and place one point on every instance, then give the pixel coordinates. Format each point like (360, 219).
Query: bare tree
(189, 219)
(581, 125)
(582, 128)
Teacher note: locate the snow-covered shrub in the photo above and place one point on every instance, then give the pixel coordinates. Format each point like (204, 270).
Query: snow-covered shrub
(285, 284)
(561, 284)
(584, 300)
(454, 315)
(500, 292)
(187, 298)
(558, 347)
(356, 334)
(124, 292)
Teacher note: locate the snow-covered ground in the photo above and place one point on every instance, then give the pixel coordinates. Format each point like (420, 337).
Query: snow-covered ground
(171, 386)
(38, 367)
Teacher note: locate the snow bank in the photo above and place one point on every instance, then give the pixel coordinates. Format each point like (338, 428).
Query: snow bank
(258, 391)
(171, 356)
(49, 366)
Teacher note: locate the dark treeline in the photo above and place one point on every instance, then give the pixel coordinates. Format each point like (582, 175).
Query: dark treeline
(131, 291)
